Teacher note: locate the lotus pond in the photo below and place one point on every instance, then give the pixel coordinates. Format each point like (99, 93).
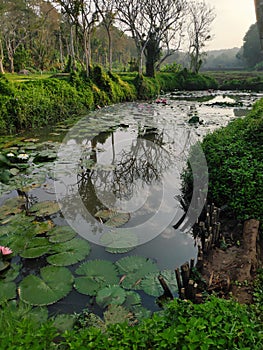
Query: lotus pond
(88, 209)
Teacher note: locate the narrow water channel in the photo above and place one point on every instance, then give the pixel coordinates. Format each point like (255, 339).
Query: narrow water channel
(128, 159)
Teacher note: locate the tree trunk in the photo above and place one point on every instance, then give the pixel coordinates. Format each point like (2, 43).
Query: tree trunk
(152, 54)
(109, 49)
(72, 49)
(61, 52)
(140, 62)
(250, 234)
(86, 53)
(1, 58)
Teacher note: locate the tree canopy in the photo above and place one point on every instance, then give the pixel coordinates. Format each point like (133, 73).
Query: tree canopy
(67, 34)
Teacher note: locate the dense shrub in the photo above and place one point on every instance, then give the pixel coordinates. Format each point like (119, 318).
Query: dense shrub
(216, 324)
(234, 157)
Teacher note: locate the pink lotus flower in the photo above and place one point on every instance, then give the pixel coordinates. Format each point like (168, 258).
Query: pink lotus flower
(5, 250)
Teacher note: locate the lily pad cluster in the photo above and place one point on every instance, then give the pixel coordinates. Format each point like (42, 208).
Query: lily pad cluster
(19, 158)
(114, 283)
(32, 234)
(36, 236)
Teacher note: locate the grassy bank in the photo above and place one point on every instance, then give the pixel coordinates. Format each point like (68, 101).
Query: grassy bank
(37, 101)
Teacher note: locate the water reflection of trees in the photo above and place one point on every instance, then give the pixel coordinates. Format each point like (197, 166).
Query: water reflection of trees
(141, 164)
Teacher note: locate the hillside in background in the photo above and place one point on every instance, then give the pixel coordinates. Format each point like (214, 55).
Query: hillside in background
(223, 59)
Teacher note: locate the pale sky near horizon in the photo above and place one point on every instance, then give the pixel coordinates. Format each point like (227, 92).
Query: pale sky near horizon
(233, 19)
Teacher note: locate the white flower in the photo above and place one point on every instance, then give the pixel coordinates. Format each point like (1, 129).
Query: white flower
(10, 155)
(23, 156)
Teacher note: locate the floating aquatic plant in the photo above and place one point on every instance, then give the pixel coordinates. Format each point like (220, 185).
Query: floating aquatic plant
(95, 275)
(110, 295)
(133, 269)
(69, 252)
(53, 284)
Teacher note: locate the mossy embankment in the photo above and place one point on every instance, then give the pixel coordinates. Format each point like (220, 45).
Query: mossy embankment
(34, 103)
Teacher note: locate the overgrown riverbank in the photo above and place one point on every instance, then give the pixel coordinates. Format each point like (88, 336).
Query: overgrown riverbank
(234, 156)
(35, 103)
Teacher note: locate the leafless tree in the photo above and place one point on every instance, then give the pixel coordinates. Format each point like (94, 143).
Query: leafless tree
(201, 16)
(148, 21)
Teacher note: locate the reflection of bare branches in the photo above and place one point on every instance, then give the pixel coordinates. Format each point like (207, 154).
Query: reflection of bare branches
(142, 164)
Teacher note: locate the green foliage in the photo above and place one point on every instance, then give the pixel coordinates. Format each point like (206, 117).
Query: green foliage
(146, 87)
(35, 103)
(234, 157)
(217, 324)
(251, 50)
(172, 68)
(47, 100)
(252, 83)
(193, 81)
(25, 328)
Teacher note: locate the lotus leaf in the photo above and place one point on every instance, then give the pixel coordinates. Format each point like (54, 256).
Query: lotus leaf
(96, 274)
(12, 273)
(46, 208)
(134, 268)
(116, 314)
(118, 219)
(35, 248)
(70, 252)
(4, 265)
(42, 227)
(45, 156)
(87, 285)
(151, 285)
(20, 231)
(132, 299)
(19, 223)
(53, 284)
(11, 206)
(38, 315)
(7, 291)
(170, 279)
(119, 241)
(118, 250)
(21, 310)
(110, 295)
(113, 218)
(61, 234)
(104, 214)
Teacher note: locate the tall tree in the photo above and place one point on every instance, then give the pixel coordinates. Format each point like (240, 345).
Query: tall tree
(251, 52)
(201, 16)
(83, 15)
(148, 21)
(16, 16)
(106, 9)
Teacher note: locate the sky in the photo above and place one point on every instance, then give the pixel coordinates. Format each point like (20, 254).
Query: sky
(233, 19)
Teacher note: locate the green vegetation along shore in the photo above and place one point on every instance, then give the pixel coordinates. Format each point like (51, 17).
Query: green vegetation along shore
(234, 157)
(38, 102)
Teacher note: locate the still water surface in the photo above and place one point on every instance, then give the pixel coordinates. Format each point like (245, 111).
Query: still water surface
(129, 158)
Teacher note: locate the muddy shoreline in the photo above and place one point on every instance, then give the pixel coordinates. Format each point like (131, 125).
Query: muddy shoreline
(231, 268)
